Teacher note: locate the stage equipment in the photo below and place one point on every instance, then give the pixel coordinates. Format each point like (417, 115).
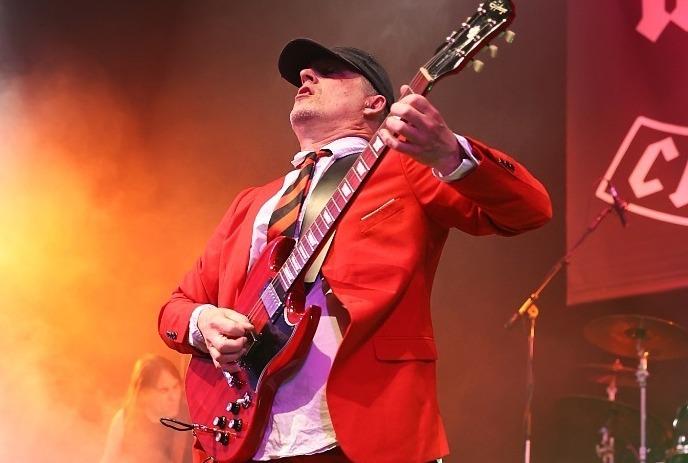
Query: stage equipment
(679, 452)
(529, 309)
(613, 376)
(641, 337)
(595, 429)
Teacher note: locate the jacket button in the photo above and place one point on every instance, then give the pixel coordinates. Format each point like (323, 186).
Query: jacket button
(506, 164)
(171, 334)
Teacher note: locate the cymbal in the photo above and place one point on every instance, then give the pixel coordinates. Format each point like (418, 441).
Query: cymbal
(604, 373)
(580, 418)
(621, 335)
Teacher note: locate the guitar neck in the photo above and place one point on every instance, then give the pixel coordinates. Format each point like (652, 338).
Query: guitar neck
(316, 235)
(459, 48)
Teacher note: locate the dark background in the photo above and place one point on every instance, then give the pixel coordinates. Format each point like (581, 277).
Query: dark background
(166, 109)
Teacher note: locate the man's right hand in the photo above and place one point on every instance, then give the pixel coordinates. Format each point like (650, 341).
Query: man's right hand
(224, 331)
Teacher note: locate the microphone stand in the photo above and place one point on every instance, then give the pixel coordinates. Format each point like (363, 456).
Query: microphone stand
(530, 309)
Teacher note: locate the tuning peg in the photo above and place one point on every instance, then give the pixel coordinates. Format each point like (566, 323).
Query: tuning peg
(477, 65)
(493, 50)
(509, 36)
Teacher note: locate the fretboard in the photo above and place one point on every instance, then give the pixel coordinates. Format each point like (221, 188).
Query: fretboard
(314, 237)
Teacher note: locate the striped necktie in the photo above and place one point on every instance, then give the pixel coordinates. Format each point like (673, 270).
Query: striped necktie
(285, 217)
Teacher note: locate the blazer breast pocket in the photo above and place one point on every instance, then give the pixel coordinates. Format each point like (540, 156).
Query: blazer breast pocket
(380, 214)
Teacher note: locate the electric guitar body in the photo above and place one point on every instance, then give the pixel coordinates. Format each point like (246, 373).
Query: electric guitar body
(236, 406)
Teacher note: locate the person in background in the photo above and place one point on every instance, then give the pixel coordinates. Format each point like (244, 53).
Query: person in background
(136, 434)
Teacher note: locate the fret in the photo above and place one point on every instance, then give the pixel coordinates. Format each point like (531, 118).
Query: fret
(297, 258)
(369, 157)
(282, 280)
(340, 199)
(353, 180)
(307, 246)
(361, 161)
(302, 253)
(288, 272)
(321, 224)
(291, 265)
(317, 228)
(358, 176)
(332, 209)
(333, 201)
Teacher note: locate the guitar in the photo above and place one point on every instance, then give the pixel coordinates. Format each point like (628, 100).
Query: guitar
(229, 411)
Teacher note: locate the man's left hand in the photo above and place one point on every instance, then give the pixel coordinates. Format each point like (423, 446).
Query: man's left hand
(427, 138)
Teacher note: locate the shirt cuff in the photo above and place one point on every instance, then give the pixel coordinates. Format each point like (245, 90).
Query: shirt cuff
(468, 163)
(196, 338)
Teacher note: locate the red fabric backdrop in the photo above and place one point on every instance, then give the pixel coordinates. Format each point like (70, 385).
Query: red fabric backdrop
(627, 121)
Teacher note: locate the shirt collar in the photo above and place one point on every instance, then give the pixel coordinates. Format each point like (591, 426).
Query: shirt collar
(340, 148)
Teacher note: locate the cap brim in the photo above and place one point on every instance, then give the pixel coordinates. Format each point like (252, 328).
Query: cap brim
(299, 54)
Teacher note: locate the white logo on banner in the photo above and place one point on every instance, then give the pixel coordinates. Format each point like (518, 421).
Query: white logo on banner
(639, 180)
(656, 18)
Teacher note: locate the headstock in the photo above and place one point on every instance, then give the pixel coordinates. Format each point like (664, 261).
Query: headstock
(491, 18)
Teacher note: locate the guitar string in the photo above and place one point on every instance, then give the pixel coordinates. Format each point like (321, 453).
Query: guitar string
(257, 307)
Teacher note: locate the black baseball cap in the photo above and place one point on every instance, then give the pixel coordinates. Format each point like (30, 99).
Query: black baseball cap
(300, 53)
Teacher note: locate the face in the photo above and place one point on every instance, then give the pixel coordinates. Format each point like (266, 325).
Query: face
(163, 398)
(330, 92)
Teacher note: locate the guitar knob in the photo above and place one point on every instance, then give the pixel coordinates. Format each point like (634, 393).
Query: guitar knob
(477, 65)
(245, 401)
(236, 425)
(222, 438)
(509, 36)
(233, 380)
(220, 421)
(493, 49)
(233, 407)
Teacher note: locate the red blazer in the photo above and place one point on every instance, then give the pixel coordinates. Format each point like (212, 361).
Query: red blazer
(380, 266)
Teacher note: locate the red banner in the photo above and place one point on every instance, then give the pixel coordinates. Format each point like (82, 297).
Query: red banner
(627, 122)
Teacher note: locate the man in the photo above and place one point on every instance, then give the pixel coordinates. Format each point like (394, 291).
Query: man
(366, 390)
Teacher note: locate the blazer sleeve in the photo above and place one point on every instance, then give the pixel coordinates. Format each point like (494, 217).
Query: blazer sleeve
(498, 196)
(200, 285)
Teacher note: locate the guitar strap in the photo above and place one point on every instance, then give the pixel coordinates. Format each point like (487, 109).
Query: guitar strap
(321, 193)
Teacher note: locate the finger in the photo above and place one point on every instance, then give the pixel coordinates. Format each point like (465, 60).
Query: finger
(419, 102)
(405, 91)
(412, 133)
(239, 318)
(227, 362)
(214, 355)
(410, 114)
(397, 144)
(226, 359)
(229, 346)
(227, 327)
(232, 367)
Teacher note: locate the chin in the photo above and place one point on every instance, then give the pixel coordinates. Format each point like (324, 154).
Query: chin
(302, 114)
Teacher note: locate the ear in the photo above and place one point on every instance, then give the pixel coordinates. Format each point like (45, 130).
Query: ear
(374, 107)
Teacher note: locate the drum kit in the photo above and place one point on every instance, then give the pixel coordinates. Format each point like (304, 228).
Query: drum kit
(619, 432)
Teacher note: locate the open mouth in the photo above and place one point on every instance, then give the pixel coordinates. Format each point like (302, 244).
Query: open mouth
(303, 92)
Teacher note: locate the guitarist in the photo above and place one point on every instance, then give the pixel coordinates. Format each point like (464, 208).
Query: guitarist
(366, 390)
